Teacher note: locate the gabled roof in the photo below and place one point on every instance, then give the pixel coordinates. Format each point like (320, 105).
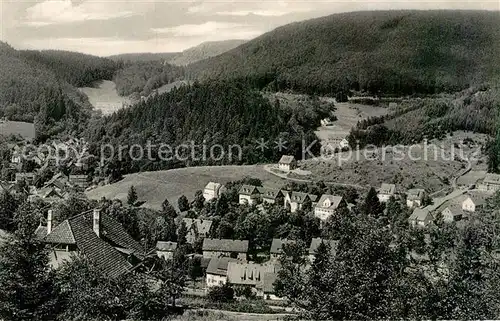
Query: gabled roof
(415, 194)
(248, 190)
(492, 179)
(269, 193)
(454, 210)
(225, 245)
(201, 225)
(315, 242)
(419, 214)
(247, 273)
(478, 198)
(213, 186)
(40, 232)
(287, 159)
(102, 251)
(277, 245)
(334, 201)
(388, 189)
(218, 266)
(166, 246)
(299, 197)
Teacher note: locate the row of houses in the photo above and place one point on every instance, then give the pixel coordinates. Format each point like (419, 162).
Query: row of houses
(259, 277)
(472, 202)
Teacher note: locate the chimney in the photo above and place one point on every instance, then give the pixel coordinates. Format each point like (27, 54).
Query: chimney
(49, 222)
(97, 222)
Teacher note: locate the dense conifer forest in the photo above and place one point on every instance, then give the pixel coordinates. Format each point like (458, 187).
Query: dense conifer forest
(385, 52)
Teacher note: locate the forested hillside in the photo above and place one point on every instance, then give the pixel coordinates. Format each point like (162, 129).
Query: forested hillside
(218, 112)
(79, 70)
(30, 92)
(387, 52)
(144, 77)
(203, 51)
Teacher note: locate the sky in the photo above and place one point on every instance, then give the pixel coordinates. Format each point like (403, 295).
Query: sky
(107, 27)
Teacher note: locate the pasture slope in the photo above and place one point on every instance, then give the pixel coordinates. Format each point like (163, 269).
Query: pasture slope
(155, 187)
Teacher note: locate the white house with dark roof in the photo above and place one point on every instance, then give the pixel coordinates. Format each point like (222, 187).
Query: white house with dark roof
(414, 197)
(98, 237)
(216, 273)
(491, 183)
(327, 205)
(385, 192)
(212, 191)
(474, 202)
(420, 217)
(248, 195)
(287, 163)
(295, 200)
(165, 250)
(271, 196)
(223, 247)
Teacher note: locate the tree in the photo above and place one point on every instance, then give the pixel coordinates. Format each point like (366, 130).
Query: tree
(493, 153)
(372, 206)
(221, 294)
(168, 210)
(194, 270)
(132, 196)
(8, 206)
(183, 203)
(27, 282)
(182, 234)
(199, 200)
(172, 276)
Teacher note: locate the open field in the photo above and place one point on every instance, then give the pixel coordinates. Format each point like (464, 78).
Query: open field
(26, 130)
(105, 97)
(154, 187)
(347, 117)
(372, 169)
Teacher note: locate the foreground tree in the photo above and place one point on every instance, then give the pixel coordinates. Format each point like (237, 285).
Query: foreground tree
(26, 281)
(183, 203)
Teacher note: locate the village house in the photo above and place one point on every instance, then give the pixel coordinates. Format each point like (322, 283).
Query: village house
(81, 181)
(453, 213)
(277, 248)
(271, 196)
(97, 236)
(315, 242)
(491, 183)
(420, 217)
(223, 247)
(414, 197)
(474, 202)
(59, 182)
(385, 192)
(216, 273)
(29, 178)
(327, 205)
(197, 228)
(287, 163)
(165, 250)
(249, 195)
(295, 200)
(212, 191)
(48, 194)
(241, 274)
